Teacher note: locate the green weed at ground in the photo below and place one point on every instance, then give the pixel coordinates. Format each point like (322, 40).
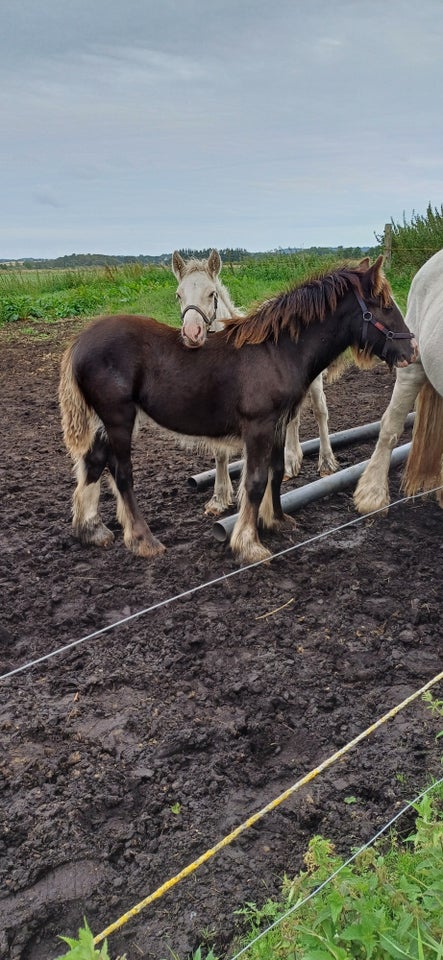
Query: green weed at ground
(82, 947)
(387, 904)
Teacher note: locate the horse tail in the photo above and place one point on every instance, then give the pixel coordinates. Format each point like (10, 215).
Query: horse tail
(79, 422)
(424, 463)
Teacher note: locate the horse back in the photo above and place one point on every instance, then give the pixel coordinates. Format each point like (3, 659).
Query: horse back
(111, 355)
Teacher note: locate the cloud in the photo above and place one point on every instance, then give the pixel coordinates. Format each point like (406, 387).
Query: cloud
(254, 124)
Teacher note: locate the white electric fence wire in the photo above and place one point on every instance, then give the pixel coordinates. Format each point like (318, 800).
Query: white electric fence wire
(210, 583)
(369, 843)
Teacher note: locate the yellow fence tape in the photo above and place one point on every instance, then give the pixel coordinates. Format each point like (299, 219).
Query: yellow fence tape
(261, 813)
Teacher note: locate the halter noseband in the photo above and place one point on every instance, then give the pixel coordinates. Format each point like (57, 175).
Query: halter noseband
(207, 320)
(389, 334)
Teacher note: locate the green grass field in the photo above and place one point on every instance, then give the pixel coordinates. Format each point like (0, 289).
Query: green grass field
(51, 295)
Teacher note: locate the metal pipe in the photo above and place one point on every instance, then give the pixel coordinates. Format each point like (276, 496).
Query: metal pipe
(200, 481)
(295, 499)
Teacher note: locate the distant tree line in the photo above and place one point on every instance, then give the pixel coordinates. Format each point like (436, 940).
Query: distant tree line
(228, 255)
(77, 260)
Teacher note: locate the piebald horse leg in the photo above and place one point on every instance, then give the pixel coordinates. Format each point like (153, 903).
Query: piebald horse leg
(86, 522)
(223, 495)
(372, 491)
(245, 543)
(136, 533)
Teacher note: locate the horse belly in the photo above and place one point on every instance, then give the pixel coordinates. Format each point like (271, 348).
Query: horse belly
(200, 414)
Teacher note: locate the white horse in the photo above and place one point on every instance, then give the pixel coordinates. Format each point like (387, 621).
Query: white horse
(204, 303)
(421, 381)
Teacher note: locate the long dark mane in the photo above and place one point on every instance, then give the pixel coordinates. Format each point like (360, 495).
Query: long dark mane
(305, 303)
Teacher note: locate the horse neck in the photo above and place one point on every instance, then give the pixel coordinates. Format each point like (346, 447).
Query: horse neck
(322, 342)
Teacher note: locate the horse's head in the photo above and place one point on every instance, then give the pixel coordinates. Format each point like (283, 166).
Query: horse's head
(197, 295)
(383, 331)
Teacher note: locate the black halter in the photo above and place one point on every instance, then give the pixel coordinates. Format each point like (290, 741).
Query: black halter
(208, 320)
(389, 334)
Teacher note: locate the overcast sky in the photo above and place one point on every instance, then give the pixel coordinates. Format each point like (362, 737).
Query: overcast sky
(138, 126)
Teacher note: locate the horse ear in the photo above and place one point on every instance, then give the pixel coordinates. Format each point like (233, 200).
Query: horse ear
(379, 282)
(214, 264)
(364, 264)
(178, 265)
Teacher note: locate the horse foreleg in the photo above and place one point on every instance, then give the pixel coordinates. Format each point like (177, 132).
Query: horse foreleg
(245, 542)
(372, 491)
(326, 461)
(86, 523)
(223, 495)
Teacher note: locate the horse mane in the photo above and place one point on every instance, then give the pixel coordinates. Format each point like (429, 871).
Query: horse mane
(302, 305)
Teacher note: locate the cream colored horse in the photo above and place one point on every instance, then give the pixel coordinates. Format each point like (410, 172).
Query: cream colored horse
(421, 381)
(205, 303)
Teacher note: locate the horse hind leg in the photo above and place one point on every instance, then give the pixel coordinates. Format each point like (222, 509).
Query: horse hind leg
(245, 542)
(223, 495)
(293, 450)
(86, 522)
(271, 514)
(327, 463)
(137, 535)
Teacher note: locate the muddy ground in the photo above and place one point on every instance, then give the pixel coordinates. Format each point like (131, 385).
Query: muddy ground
(126, 757)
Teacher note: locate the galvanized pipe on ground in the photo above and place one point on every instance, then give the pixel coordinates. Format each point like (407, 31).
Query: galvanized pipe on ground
(296, 499)
(344, 438)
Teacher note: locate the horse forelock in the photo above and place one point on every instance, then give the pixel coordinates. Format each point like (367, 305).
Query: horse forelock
(194, 265)
(304, 304)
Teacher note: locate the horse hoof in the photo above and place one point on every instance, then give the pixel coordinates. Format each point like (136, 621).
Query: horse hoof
(214, 508)
(326, 467)
(141, 548)
(288, 521)
(292, 469)
(95, 534)
(365, 503)
(257, 554)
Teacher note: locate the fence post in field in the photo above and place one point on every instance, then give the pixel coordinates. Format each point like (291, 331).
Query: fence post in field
(387, 245)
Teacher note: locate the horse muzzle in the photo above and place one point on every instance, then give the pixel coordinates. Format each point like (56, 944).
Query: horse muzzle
(414, 357)
(193, 339)
(195, 326)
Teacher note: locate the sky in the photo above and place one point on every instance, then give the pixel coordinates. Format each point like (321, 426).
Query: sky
(142, 126)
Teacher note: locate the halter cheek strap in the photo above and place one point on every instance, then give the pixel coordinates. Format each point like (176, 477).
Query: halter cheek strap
(207, 320)
(389, 334)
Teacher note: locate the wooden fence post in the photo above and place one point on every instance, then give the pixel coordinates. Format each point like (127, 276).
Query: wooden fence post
(387, 245)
